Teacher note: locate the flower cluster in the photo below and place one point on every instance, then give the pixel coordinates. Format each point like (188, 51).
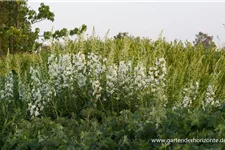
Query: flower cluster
(95, 65)
(79, 69)
(47, 92)
(54, 71)
(36, 104)
(90, 70)
(96, 86)
(124, 78)
(24, 91)
(111, 79)
(157, 79)
(65, 70)
(7, 94)
(95, 68)
(141, 81)
(210, 98)
(189, 95)
(68, 70)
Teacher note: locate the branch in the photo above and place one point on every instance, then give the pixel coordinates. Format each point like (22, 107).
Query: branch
(36, 21)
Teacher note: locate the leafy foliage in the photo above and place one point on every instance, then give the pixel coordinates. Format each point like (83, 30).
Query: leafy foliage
(64, 33)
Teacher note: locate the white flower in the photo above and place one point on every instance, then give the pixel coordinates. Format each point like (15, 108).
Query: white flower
(186, 102)
(8, 94)
(36, 113)
(81, 79)
(39, 93)
(210, 97)
(96, 89)
(162, 60)
(105, 60)
(157, 63)
(189, 95)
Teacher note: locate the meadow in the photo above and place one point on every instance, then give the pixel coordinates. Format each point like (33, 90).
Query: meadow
(113, 94)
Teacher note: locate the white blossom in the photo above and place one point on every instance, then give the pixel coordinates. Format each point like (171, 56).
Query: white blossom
(190, 95)
(96, 86)
(210, 97)
(8, 93)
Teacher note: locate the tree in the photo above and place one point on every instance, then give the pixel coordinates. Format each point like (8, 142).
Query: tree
(205, 40)
(121, 35)
(15, 25)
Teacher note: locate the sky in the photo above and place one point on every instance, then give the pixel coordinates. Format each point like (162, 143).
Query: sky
(176, 20)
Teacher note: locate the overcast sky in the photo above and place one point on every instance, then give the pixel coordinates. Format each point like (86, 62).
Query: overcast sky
(177, 20)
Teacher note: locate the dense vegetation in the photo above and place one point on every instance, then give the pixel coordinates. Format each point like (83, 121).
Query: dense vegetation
(113, 94)
(117, 93)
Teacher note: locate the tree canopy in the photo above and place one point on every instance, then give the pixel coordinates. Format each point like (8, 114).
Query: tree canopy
(205, 40)
(16, 20)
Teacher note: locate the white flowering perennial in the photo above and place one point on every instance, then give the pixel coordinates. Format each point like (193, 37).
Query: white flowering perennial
(124, 79)
(111, 79)
(160, 72)
(96, 86)
(7, 93)
(47, 92)
(189, 95)
(91, 73)
(210, 98)
(60, 71)
(36, 104)
(95, 65)
(75, 69)
(54, 71)
(141, 81)
(65, 69)
(157, 80)
(24, 91)
(79, 69)
(93, 78)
